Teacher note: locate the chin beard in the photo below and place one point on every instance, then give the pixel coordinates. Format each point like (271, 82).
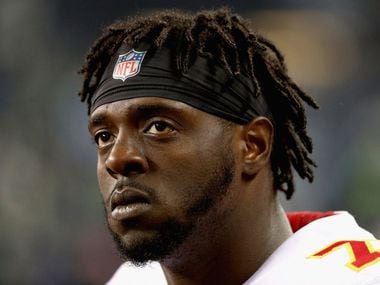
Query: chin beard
(168, 238)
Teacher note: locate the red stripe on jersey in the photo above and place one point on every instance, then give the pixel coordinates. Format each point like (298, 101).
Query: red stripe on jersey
(298, 220)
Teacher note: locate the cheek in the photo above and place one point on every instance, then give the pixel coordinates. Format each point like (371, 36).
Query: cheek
(104, 180)
(183, 163)
(183, 172)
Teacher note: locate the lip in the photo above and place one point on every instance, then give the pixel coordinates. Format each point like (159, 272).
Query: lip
(129, 203)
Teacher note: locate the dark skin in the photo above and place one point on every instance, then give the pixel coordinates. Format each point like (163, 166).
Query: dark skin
(171, 148)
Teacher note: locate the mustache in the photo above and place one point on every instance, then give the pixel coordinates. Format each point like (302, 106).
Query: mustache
(127, 183)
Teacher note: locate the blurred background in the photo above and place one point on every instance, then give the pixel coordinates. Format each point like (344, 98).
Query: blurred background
(52, 229)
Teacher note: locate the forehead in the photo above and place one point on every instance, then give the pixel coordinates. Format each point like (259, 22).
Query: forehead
(146, 106)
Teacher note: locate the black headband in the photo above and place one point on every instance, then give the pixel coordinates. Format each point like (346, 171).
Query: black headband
(137, 73)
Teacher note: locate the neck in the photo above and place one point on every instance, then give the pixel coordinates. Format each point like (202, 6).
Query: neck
(234, 252)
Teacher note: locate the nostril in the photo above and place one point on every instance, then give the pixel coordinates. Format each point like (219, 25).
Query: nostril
(133, 169)
(111, 172)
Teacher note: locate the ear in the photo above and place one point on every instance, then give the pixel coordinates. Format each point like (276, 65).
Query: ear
(258, 139)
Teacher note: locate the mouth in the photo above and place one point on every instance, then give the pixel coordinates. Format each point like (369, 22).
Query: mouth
(129, 203)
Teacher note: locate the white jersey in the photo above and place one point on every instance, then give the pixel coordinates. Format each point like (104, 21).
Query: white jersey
(328, 251)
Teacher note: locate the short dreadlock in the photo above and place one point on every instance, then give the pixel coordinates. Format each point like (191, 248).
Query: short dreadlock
(225, 39)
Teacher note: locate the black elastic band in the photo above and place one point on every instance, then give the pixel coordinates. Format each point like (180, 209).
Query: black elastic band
(206, 88)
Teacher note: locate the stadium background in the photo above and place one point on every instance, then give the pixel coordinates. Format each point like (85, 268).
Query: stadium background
(51, 220)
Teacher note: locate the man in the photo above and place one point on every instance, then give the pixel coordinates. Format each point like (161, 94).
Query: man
(198, 126)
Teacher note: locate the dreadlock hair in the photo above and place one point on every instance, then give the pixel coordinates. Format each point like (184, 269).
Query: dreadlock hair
(225, 39)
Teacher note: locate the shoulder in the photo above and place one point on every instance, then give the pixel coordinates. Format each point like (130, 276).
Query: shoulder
(329, 250)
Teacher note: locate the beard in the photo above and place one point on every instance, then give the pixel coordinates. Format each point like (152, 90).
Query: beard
(168, 237)
(172, 233)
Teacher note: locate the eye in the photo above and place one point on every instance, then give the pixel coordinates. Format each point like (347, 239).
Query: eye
(103, 138)
(159, 128)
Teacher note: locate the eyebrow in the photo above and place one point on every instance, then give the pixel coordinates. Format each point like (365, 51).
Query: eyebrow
(96, 120)
(146, 110)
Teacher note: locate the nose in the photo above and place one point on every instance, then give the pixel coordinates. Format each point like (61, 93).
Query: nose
(126, 160)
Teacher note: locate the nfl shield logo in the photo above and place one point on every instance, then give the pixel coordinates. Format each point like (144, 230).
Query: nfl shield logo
(128, 64)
